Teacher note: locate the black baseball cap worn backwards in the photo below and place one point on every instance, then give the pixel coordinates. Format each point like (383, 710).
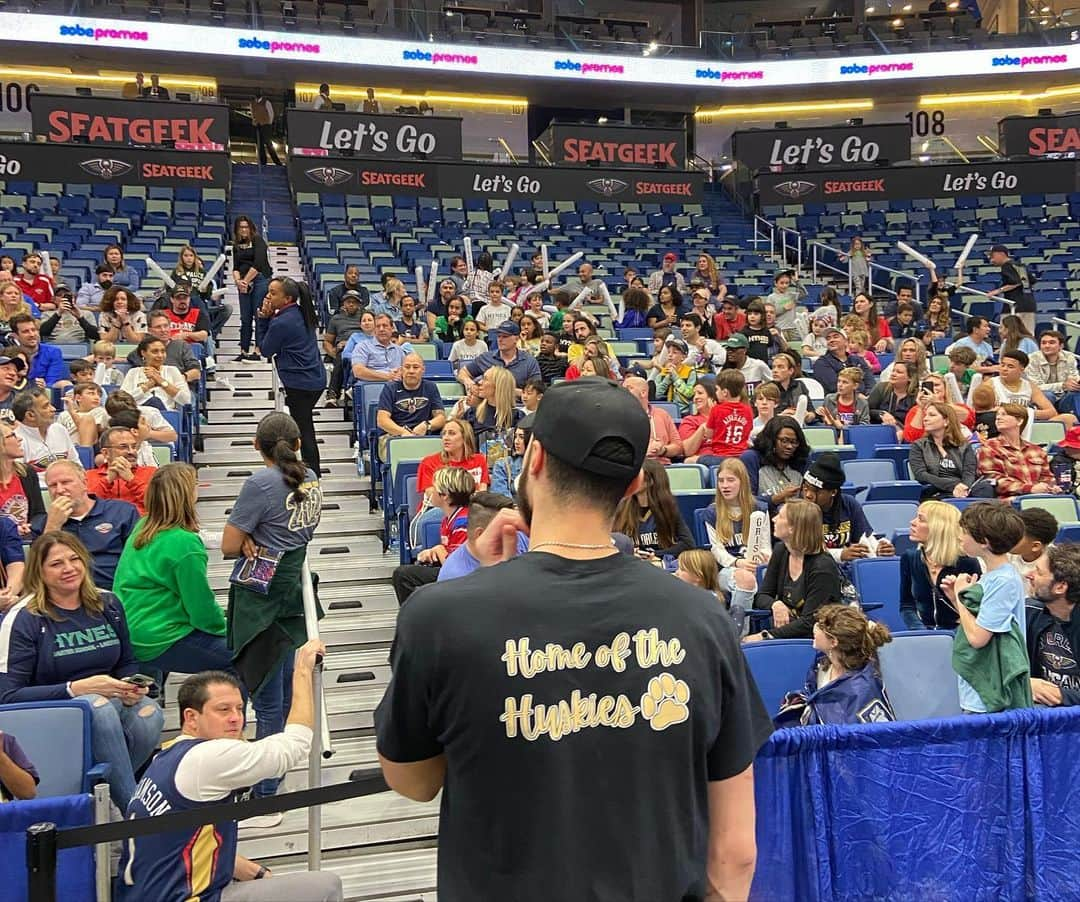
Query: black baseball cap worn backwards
(575, 417)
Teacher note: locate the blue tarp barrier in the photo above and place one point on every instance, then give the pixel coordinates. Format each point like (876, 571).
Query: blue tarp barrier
(973, 808)
(74, 867)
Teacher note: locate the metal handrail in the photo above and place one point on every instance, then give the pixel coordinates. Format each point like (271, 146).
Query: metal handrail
(763, 229)
(896, 272)
(816, 263)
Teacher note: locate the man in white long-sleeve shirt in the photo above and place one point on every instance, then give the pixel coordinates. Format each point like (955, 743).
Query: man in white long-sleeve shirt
(209, 763)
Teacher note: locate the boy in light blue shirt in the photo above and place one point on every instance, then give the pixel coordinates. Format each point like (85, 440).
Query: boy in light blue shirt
(988, 530)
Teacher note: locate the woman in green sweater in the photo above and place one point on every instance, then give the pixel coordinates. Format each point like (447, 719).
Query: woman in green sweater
(174, 619)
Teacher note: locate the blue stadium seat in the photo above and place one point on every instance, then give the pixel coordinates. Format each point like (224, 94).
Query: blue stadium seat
(779, 666)
(917, 672)
(877, 580)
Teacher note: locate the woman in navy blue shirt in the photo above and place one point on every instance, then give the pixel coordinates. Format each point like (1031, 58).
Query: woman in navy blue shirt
(936, 555)
(68, 639)
(290, 343)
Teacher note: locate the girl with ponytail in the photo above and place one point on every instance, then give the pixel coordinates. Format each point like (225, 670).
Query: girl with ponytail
(844, 683)
(290, 343)
(274, 518)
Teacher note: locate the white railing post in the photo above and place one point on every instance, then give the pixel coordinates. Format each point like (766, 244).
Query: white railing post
(851, 281)
(320, 739)
(813, 260)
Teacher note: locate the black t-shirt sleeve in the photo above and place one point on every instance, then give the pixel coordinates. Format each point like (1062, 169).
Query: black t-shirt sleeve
(202, 324)
(403, 720)
(745, 725)
(1009, 275)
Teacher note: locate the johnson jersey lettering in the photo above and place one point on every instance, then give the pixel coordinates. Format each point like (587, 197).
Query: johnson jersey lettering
(179, 866)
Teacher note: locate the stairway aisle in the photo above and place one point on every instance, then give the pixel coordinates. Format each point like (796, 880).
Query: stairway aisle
(383, 846)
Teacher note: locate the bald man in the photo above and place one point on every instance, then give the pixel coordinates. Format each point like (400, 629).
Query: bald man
(411, 405)
(664, 441)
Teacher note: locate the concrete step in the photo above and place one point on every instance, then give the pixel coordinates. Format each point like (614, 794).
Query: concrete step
(394, 874)
(368, 820)
(223, 483)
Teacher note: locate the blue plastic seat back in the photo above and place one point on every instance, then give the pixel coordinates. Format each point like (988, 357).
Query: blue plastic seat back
(916, 668)
(877, 580)
(56, 737)
(779, 666)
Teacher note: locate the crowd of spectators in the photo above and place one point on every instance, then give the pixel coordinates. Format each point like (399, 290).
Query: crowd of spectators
(731, 383)
(735, 383)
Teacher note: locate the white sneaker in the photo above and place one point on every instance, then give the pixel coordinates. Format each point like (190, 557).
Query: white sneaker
(222, 382)
(263, 821)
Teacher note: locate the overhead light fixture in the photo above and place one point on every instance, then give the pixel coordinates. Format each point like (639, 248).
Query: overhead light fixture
(602, 120)
(897, 22)
(653, 45)
(870, 10)
(955, 4)
(925, 146)
(765, 110)
(932, 100)
(404, 97)
(449, 14)
(645, 52)
(907, 7)
(1045, 9)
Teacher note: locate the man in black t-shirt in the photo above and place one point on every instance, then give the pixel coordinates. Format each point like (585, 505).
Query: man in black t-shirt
(1053, 626)
(1015, 286)
(592, 720)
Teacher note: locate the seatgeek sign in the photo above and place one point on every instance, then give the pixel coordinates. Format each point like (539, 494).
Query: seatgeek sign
(166, 37)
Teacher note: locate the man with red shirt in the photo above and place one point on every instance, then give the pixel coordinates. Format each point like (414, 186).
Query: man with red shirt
(727, 431)
(729, 320)
(120, 477)
(32, 283)
(186, 323)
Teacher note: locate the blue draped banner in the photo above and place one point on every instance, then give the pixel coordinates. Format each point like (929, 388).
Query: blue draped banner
(975, 807)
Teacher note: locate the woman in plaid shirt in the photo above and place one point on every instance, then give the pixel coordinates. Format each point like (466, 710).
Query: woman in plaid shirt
(1015, 466)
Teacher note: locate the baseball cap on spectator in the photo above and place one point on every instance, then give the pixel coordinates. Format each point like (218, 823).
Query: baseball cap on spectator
(583, 423)
(352, 294)
(15, 360)
(999, 249)
(738, 340)
(1072, 439)
(833, 329)
(62, 289)
(509, 327)
(181, 288)
(103, 268)
(670, 258)
(678, 344)
(825, 472)
(729, 301)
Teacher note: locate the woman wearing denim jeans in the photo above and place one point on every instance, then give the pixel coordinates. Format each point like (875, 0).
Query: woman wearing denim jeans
(251, 273)
(68, 639)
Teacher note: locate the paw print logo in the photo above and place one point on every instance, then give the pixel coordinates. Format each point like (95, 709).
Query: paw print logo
(664, 702)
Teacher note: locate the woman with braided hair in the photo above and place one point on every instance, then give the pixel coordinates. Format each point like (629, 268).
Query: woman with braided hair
(290, 343)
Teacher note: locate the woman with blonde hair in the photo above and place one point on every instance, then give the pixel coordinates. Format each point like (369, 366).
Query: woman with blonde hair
(60, 608)
(491, 409)
(12, 303)
(936, 555)
(175, 621)
(844, 683)
(911, 350)
(737, 525)
(802, 576)
(698, 567)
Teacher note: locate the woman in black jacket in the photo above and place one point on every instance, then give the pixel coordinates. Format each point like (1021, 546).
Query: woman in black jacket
(943, 460)
(251, 273)
(890, 401)
(801, 576)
